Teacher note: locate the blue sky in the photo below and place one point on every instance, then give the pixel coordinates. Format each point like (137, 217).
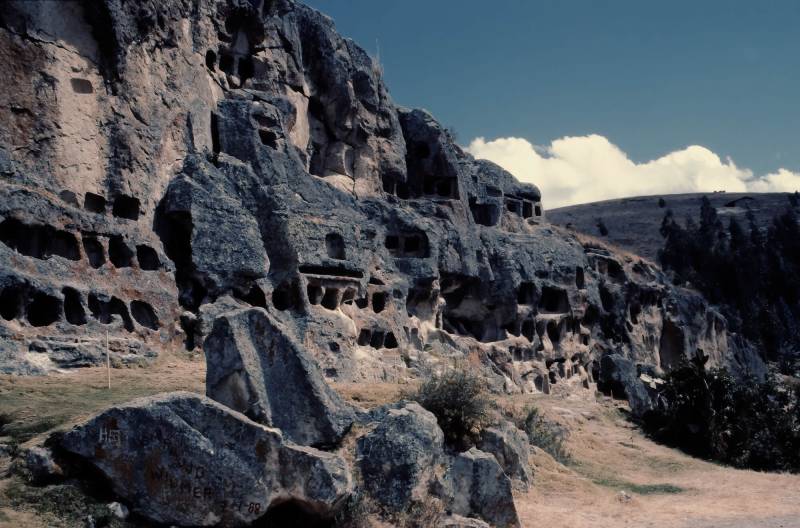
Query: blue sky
(652, 77)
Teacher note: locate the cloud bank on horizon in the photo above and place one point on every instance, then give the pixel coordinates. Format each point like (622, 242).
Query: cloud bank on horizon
(581, 169)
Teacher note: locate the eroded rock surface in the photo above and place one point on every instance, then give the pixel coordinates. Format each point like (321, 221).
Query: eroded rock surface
(481, 488)
(183, 459)
(253, 367)
(511, 448)
(162, 158)
(399, 458)
(234, 177)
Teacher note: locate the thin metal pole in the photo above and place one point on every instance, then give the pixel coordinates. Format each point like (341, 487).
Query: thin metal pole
(108, 362)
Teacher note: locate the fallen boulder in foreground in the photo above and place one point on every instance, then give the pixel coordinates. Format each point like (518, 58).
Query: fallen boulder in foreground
(398, 457)
(183, 459)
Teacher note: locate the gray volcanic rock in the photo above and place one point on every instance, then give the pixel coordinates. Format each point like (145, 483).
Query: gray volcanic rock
(253, 367)
(511, 448)
(215, 243)
(183, 459)
(186, 155)
(233, 176)
(38, 465)
(481, 488)
(398, 458)
(621, 378)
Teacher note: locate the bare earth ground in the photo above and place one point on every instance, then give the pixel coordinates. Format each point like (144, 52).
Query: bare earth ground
(617, 477)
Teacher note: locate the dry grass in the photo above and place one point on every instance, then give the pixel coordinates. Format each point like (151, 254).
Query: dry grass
(667, 488)
(36, 405)
(370, 395)
(593, 241)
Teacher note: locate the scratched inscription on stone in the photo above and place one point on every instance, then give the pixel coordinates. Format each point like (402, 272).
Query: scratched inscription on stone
(180, 478)
(110, 437)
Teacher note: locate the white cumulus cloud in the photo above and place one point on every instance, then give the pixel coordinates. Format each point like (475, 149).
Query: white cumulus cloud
(583, 169)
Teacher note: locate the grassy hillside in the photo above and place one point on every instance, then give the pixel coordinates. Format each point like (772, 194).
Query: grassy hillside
(633, 223)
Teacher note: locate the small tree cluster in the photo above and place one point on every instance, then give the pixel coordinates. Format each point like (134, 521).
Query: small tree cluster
(753, 274)
(745, 423)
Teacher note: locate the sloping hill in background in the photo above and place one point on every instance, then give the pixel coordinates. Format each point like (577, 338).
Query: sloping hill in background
(633, 223)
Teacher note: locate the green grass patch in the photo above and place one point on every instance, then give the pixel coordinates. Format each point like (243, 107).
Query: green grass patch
(599, 476)
(640, 489)
(666, 465)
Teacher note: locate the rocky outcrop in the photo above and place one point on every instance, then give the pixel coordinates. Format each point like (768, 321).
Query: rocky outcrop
(164, 159)
(399, 457)
(511, 448)
(253, 367)
(183, 459)
(480, 487)
(234, 176)
(620, 378)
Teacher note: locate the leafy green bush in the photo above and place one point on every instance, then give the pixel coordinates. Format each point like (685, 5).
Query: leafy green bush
(545, 434)
(459, 401)
(746, 423)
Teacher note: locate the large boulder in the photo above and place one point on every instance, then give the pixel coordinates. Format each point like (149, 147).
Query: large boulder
(254, 367)
(620, 378)
(510, 447)
(479, 487)
(183, 459)
(38, 465)
(398, 457)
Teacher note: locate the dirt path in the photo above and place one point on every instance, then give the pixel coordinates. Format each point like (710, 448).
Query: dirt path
(663, 488)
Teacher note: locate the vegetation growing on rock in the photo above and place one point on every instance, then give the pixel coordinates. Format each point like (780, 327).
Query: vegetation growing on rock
(458, 399)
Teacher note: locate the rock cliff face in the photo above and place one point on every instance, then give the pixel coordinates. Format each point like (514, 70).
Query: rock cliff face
(163, 164)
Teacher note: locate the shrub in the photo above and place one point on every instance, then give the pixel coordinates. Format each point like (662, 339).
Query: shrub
(459, 401)
(545, 434)
(601, 227)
